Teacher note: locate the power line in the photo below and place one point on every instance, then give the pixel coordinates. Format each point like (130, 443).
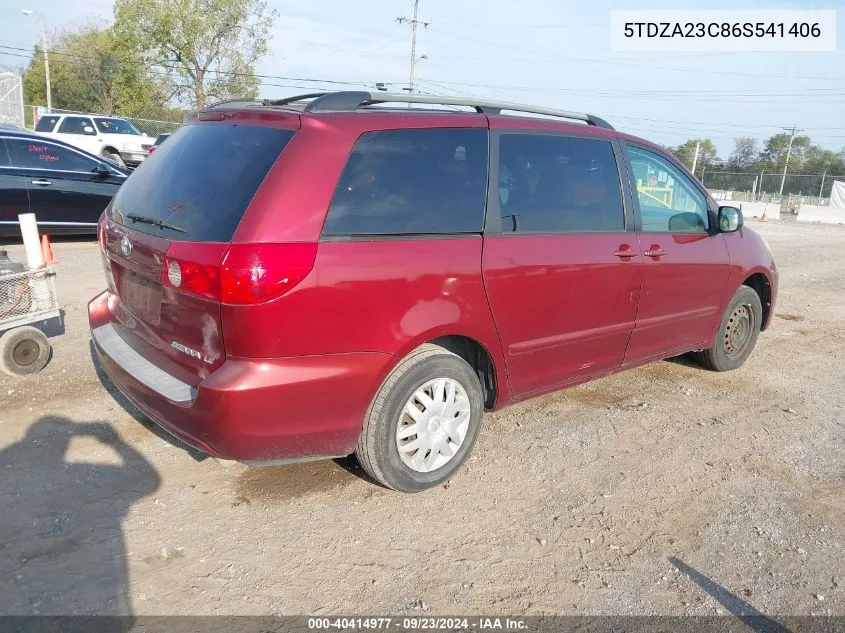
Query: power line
(592, 60)
(527, 26)
(181, 69)
(612, 92)
(709, 125)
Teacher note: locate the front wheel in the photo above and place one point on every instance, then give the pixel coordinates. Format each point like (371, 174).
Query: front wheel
(737, 333)
(423, 422)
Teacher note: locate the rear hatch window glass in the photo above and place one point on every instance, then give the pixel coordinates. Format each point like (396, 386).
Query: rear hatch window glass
(197, 186)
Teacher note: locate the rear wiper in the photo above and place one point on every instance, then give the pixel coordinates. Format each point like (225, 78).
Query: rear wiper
(163, 225)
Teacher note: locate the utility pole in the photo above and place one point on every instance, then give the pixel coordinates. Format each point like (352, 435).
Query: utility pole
(792, 131)
(414, 22)
(695, 159)
(46, 57)
(46, 65)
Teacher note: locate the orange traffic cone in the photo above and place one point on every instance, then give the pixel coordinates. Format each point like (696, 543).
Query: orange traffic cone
(765, 216)
(47, 251)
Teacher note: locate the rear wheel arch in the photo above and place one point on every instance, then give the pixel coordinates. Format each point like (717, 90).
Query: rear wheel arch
(479, 358)
(489, 369)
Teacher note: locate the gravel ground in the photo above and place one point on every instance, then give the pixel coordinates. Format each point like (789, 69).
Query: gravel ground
(663, 490)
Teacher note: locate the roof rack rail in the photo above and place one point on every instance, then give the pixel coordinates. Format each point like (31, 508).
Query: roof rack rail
(294, 99)
(233, 103)
(349, 101)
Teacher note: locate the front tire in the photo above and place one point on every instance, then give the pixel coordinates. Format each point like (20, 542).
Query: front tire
(737, 335)
(423, 422)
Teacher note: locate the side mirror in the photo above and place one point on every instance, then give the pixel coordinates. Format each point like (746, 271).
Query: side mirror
(102, 170)
(730, 219)
(144, 134)
(88, 130)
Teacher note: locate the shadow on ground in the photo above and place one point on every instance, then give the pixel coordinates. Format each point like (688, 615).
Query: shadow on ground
(751, 617)
(62, 548)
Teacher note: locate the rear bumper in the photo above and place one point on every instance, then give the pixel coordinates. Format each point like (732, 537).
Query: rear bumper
(249, 409)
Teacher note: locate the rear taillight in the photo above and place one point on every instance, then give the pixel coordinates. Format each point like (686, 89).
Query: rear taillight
(152, 149)
(111, 282)
(255, 273)
(239, 274)
(194, 268)
(101, 232)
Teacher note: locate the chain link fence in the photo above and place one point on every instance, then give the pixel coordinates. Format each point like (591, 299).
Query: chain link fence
(11, 97)
(763, 186)
(151, 127)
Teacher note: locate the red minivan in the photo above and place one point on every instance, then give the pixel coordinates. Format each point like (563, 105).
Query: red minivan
(322, 275)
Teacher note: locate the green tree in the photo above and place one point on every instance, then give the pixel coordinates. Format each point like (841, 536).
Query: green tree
(775, 150)
(207, 47)
(708, 157)
(745, 155)
(818, 160)
(91, 70)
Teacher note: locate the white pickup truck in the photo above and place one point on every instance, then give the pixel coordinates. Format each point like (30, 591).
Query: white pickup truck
(112, 138)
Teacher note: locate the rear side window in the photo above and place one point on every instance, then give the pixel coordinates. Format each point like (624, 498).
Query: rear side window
(76, 125)
(201, 181)
(46, 124)
(558, 184)
(400, 182)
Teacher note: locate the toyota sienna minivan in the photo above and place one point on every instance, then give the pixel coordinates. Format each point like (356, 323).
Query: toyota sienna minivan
(329, 274)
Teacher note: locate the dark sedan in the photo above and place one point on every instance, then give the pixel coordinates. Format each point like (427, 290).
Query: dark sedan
(65, 187)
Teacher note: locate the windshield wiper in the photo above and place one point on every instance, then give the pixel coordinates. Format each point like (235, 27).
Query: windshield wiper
(163, 225)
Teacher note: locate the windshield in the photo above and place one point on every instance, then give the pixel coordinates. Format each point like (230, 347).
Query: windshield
(115, 126)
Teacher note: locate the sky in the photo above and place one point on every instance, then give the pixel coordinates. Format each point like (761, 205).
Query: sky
(554, 53)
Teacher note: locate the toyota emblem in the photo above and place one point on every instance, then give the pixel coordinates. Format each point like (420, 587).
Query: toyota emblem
(125, 246)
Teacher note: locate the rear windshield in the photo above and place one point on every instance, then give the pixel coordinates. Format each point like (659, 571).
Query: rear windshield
(200, 182)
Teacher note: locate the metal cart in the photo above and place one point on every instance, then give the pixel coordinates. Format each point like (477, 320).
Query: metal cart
(26, 298)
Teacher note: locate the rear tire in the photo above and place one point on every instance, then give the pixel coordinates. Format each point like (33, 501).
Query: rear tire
(448, 404)
(737, 335)
(24, 350)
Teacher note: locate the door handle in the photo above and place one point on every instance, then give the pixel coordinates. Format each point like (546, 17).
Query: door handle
(654, 251)
(625, 252)
(41, 182)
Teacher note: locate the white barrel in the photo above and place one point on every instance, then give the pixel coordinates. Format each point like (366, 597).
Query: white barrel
(31, 240)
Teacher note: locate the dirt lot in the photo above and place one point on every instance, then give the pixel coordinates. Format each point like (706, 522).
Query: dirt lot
(664, 490)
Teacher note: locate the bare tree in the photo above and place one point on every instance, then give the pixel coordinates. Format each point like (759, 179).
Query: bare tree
(746, 153)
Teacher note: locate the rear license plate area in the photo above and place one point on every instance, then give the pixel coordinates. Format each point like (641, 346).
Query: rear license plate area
(140, 297)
